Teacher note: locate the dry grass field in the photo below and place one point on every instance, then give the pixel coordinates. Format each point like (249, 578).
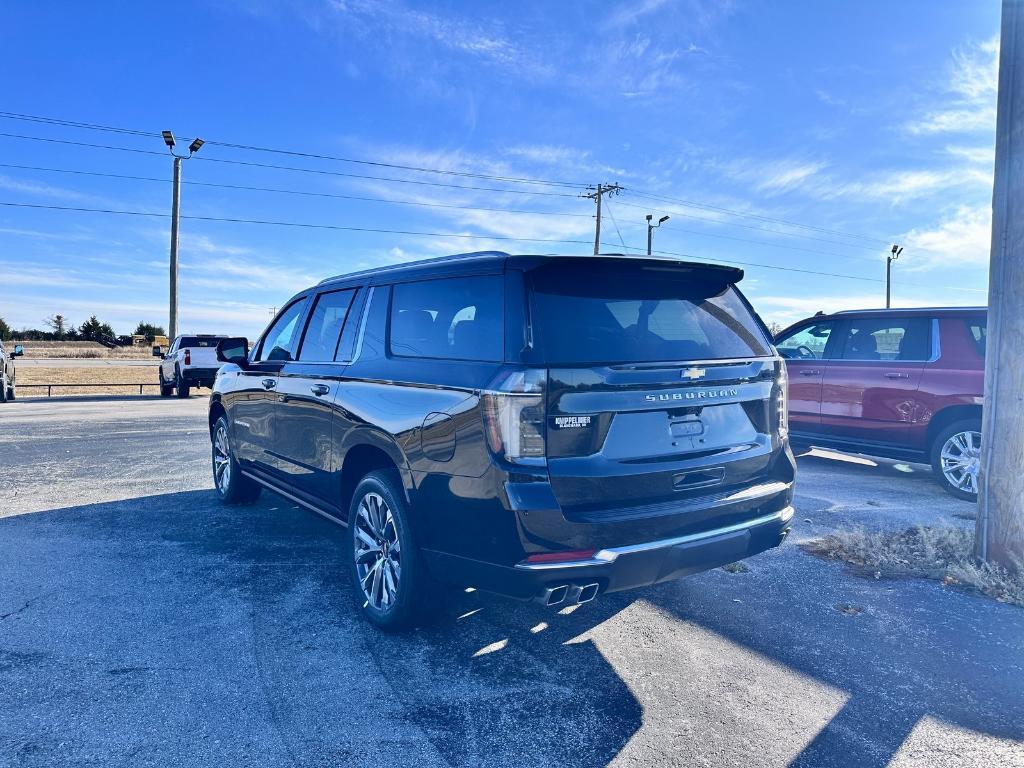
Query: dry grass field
(110, 375)
(82, 350)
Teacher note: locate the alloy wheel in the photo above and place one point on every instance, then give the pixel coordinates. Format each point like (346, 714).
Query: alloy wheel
(378, 552)
(961, 457)
(221, 459)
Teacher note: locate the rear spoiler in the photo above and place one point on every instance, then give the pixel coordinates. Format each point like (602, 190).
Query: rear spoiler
(724, 272)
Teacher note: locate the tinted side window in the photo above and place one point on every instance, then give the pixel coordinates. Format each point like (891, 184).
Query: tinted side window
(978, 328)
(279, 343)
(807, 343)
(887, 339)
(323, 331)
(454, 318)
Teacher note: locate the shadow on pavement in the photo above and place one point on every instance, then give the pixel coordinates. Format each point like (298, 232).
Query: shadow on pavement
(169, 626)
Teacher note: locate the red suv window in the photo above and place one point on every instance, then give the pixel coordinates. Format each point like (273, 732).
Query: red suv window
(886, 338)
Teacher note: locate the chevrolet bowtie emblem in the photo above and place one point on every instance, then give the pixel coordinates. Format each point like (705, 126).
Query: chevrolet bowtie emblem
(693, 373)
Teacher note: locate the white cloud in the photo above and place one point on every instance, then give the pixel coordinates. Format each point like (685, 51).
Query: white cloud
(971, 102)
(960, 240)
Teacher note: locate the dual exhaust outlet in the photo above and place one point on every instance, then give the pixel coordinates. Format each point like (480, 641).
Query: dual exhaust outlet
(568, 594)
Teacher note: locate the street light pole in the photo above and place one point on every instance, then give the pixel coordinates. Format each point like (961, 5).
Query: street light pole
(894, 254)
(175, 210)
(651, 228)
(168, 137)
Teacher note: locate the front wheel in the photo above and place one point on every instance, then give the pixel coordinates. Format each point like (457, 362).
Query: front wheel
(956, 457)
(165, 389)
(232, 486)
(3, 388)
(390, 581)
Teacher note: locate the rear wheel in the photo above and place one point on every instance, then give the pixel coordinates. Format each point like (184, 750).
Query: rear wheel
(956, 457)
(232, 486)
(180, 385)
(391, 585)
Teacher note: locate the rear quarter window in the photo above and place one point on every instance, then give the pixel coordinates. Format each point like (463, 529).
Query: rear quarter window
(451, 318)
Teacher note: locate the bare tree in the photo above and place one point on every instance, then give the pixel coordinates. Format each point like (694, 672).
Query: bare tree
(59, 325)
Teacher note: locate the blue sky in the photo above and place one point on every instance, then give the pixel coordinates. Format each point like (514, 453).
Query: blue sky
(875, 119)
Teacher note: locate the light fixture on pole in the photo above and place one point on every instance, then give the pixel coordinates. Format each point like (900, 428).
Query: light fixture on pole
(651, 228)
(893, 255)
(168, 138)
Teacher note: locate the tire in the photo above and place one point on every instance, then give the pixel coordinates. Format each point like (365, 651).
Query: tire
(180, 385)
(955, 457)
(231, 485)
(3, 388)
(12, 394)
(165, 389)
(379, 523)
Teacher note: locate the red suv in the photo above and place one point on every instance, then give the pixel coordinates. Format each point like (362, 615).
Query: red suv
(899, 383)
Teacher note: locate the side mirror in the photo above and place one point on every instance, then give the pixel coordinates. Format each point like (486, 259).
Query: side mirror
(18, 351)
(234, 351)
(158, 351)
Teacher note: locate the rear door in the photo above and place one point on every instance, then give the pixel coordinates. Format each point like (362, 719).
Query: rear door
(806, 350)
(870, 388)
(306, 388)
(661, 386)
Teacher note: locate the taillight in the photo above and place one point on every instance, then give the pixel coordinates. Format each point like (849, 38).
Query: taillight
(514, 415)
(782, 401)
(188, 357)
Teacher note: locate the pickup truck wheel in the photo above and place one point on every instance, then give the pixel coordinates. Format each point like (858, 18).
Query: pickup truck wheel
(3, 388)
(12, 395)
(390, 582)
(232, 486)
(180, 385)
(956, 456)
(165, 389)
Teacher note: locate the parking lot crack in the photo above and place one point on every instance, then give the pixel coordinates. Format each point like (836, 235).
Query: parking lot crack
(24, 607)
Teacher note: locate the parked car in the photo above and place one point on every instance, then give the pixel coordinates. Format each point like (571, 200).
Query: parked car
(899, 383)
(7, 377)
(540, 427)
(190, 362)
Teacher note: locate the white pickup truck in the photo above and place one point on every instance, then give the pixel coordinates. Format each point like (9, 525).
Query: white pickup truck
(190, 362)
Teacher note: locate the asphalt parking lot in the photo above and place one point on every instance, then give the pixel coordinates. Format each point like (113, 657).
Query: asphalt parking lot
(143, 624)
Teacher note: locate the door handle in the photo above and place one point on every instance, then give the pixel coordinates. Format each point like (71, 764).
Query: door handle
(269, 383)
(895, 375)
(810, 373)
(319, 389)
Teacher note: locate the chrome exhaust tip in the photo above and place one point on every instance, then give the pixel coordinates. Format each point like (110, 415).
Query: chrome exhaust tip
(587, 593)
(553, 596)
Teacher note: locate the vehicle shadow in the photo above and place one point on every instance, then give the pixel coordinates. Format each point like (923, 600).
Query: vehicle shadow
(211, 611)
(154, 619)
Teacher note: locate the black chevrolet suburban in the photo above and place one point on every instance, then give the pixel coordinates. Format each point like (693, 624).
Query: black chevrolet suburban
(542, 427)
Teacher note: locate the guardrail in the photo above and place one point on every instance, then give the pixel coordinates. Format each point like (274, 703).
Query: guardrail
(50, 387)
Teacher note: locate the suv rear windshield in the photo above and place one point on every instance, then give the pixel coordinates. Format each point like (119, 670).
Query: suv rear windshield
(199, 341)
(626, 313)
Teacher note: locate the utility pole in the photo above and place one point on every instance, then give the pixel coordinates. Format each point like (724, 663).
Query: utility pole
(596, 195)
(999, 533)
(172, 325)
(893, 255)
(651, 228)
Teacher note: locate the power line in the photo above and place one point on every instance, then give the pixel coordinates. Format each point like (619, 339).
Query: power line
(754, 227)
(731, 212)
(411, 233)
(418, 169)
(294, 168)
(295, 153)
(278, 190)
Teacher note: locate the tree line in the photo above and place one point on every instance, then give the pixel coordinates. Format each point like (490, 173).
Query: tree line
(60, 328)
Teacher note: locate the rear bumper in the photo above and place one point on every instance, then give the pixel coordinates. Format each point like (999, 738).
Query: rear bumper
(199, 375)
(624, 567)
